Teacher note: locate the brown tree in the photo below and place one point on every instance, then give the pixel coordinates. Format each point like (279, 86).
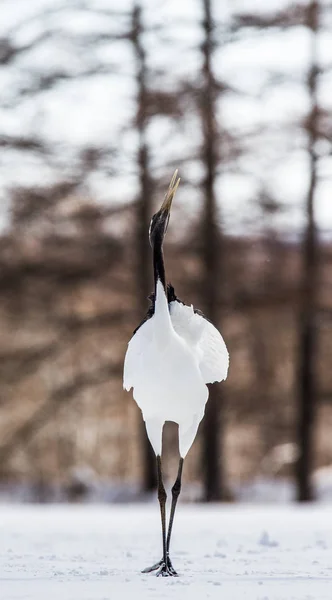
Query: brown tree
(211, 260)
(143, 213)
(307, 389)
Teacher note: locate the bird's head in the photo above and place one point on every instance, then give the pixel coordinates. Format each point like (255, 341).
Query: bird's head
(159, 221)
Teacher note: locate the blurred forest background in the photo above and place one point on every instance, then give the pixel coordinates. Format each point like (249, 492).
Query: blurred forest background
(100, 102)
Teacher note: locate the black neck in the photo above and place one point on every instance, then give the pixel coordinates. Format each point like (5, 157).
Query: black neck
(158, 261)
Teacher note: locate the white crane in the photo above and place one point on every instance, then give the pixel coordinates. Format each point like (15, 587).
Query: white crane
(171, 357)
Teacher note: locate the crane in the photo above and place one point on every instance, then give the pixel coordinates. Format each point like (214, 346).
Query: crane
(170, 358)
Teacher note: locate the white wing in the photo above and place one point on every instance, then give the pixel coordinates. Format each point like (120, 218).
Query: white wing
(134, 355)
(204, 339)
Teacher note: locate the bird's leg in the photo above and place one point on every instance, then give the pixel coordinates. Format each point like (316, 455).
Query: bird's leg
(162, 496)
(176, 489)
(163, 564)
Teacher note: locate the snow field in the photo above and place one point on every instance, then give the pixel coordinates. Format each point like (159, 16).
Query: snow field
(227, 552)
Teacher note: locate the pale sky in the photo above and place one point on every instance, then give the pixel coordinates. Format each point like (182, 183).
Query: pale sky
(100, 110)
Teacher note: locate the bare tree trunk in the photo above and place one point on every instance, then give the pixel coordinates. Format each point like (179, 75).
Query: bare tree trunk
(143, 216)
(212, 466)
(307, 326)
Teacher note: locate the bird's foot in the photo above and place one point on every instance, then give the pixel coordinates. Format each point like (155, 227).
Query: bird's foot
(163, 569)
(166, 570)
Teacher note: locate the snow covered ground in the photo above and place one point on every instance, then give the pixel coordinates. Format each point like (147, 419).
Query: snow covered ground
(225, 552)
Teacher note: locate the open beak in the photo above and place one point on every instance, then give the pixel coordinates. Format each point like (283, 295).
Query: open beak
(173, 186)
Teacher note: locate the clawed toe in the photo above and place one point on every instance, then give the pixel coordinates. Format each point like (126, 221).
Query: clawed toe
(153, 568)
(163, 569)
(166, 571)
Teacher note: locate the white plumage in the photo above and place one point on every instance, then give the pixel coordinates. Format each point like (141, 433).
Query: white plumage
(205, 339)
(169, 360)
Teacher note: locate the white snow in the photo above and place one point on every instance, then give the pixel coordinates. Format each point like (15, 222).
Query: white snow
(225, 552)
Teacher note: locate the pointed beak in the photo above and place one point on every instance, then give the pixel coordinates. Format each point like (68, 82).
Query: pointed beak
(173, 186)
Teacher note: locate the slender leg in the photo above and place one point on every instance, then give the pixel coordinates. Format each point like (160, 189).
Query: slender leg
(162, 496)
(176, 489)
(164, 566)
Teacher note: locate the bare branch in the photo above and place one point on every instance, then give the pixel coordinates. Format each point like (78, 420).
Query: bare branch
(59, 397)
